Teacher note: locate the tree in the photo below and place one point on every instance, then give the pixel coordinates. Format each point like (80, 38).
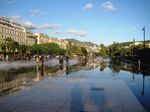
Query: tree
(84, 51)
(76, 50)
(103, 51)
(23, 49)
(114, 49)
(11, 45)
(16, 47)
(47, 48)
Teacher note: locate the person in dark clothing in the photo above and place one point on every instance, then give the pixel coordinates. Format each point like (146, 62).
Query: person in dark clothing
(67, 59)
(42, 67)
(61, 61)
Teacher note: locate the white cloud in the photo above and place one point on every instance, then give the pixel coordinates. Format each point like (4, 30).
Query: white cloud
(37, 12)
(29, 25)
(46, 26)
(77, 33)
(15, 17)
(108, 6)
(88, 6)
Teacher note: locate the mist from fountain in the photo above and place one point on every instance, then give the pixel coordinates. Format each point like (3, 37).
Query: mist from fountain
(7, 65)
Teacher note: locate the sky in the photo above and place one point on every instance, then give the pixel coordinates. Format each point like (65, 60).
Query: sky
(97, 21)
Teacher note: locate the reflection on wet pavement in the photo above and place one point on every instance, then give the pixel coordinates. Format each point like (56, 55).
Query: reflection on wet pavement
(75, 88)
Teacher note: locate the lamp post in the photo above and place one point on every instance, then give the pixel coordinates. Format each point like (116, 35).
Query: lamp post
(133, 46)
(144, 36)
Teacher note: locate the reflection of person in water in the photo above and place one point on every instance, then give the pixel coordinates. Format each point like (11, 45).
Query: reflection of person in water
(67, 59)
(101, 68)
(37, 59)
(61, 67)
(139, 64)
(76, 101)
(38, 74)
(61, 61)
(42, 63)
(67, 69)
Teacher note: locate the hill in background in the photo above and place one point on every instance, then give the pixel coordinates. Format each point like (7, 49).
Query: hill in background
(80, 43)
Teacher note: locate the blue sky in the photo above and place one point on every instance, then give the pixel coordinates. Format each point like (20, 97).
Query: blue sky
(98, 21)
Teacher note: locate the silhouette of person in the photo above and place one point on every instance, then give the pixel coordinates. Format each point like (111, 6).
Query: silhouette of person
(42, 67)
(67, 59)
(61, 61)
(61, 67)
(139, 64)
(67, 69)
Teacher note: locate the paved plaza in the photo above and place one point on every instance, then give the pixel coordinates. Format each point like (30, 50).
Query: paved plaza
(72, 95)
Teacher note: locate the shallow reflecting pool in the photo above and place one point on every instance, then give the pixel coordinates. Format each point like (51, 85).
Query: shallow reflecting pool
(18, 81)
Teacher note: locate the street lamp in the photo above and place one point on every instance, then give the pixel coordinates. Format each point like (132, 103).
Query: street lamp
(144, 36)
(133, 48)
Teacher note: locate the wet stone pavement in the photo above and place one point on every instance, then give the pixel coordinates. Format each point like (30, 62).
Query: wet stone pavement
(72, 94)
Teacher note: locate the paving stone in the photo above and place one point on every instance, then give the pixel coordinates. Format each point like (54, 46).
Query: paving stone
(73, 95)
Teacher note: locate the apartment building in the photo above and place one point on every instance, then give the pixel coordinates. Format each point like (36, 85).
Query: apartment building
(62, 43)
(31, 39)
(42, 38)
(13, 30)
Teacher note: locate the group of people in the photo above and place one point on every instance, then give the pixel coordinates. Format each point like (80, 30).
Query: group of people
(41, 60)
(61, 62)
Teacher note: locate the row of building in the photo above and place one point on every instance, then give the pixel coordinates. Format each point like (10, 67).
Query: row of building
(15, 31)
(42, 38)
(135, 44)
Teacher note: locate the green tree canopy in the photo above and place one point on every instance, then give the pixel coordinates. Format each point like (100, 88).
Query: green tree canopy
(76, 50)
(48, 48)
(103, 51)
(9, 46)
(114, 49)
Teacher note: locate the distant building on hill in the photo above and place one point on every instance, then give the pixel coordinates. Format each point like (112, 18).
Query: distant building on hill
(136, 43)
(42, 38)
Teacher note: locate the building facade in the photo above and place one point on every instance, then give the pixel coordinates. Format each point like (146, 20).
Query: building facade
(12, 30)
(62, 43)
(31, 39)
(15, 31)
(42, 38)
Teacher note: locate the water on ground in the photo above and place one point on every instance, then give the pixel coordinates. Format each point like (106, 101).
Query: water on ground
(70, 84)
